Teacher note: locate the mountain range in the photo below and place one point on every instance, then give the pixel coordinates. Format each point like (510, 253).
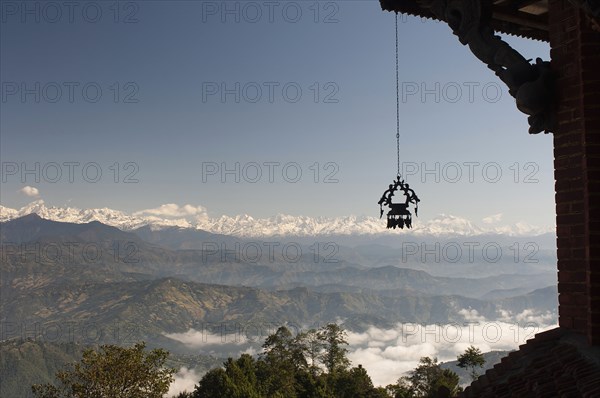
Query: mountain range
(161, 289)
(103, 253)
(280, 225)
(90, 283)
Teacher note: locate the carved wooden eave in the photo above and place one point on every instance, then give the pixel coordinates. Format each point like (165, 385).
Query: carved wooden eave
(527, 19)
(476, 22)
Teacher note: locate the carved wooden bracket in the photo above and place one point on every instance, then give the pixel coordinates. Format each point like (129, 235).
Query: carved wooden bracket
(531, 84)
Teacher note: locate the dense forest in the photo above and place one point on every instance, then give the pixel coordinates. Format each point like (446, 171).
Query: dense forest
(311, 364)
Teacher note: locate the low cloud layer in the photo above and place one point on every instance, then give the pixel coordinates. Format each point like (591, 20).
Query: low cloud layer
(185, 380)
(388, 354)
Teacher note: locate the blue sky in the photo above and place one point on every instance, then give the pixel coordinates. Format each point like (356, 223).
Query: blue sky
(325, 71)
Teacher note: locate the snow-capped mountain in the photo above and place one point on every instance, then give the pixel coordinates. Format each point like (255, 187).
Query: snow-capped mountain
(279, 225)
(104, 215)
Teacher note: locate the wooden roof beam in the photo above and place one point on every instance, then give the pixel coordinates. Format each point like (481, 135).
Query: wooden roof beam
(522, 19)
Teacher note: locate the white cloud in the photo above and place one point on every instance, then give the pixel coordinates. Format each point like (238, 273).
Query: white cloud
(185, 380)
(29, 191)
(528, 316)
(492, 219)
(387, 354)
(195, 339)
(173, 210)
(471, 315)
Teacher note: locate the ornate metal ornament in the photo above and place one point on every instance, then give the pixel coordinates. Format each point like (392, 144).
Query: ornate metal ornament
(399, 215)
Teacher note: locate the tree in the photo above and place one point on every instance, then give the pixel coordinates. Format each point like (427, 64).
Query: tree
(334, 355)
(115, 372)
(428, 378)
(289, 367)
(310, 386)
(237, 380)
(471, 359)
(448, 381)
(355, 383)
(280, 362)
(402, 389)
(212, 385)
(312, 348)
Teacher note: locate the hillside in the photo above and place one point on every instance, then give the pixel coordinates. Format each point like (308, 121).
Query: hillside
(27, 362)
(102, 285)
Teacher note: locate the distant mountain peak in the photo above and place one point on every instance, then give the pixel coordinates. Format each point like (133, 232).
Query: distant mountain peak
(30, 217)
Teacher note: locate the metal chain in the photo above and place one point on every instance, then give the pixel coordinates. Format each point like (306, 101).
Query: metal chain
(397, 102)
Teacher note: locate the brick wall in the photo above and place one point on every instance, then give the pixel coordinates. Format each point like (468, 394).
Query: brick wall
(575, 54)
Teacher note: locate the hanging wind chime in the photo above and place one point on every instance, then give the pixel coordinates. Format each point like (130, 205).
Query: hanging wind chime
(399, 214)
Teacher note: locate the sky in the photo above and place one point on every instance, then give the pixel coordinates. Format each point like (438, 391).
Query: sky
(258, 108)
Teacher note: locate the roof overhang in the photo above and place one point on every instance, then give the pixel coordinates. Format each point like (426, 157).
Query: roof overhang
(523, 18)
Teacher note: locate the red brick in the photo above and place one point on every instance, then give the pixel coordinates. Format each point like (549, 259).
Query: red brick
(565, 321)
(566, 141)
(570, 174)
(580, 324)
(572, 299)
(569, 196)
(570, 287)
(572, 277)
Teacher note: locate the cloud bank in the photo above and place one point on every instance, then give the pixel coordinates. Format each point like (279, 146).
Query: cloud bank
(185, 380)
(387, 354)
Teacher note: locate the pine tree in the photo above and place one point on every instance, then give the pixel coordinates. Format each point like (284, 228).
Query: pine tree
(280, 361)
(312, 348)
(334, 356)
